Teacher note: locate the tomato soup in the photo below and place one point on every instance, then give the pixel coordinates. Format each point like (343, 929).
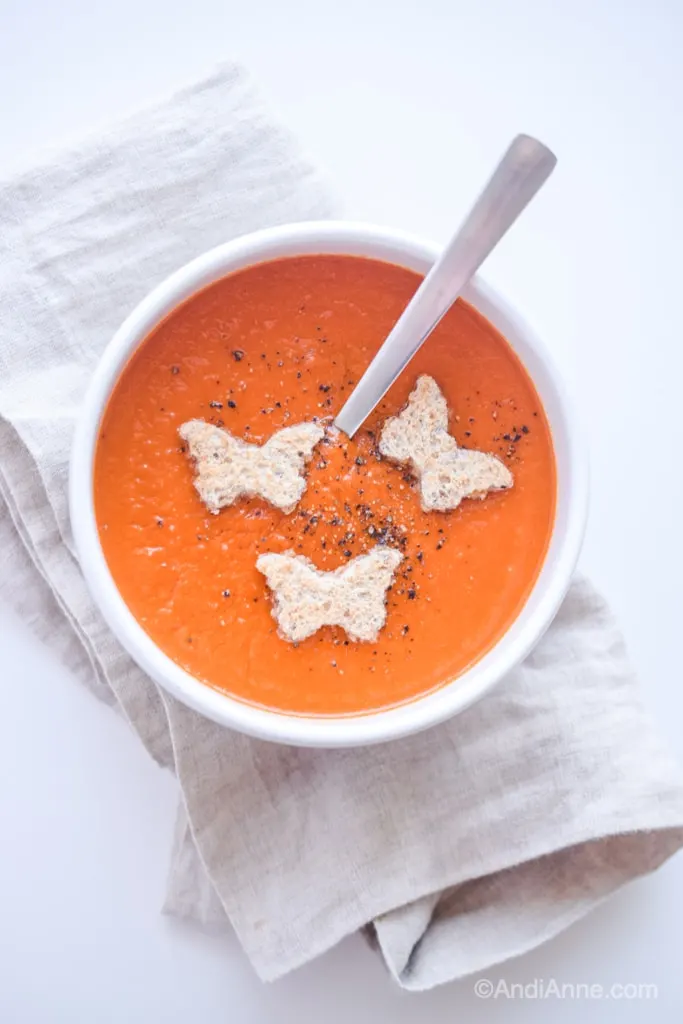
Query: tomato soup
(274, 345)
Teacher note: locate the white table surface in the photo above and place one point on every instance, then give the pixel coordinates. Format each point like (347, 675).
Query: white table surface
(407, 104)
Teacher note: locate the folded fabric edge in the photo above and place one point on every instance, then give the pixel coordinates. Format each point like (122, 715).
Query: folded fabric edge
(92, 674)
(424, 968)
(39, 607)
(190, 895)
(297, 957)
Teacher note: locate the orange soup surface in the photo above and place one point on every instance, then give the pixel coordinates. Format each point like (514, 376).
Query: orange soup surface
(271, 346)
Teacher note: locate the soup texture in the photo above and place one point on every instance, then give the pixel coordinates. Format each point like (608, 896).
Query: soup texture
(274, 345)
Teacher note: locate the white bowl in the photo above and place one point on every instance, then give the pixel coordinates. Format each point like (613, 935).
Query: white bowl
(544, 600)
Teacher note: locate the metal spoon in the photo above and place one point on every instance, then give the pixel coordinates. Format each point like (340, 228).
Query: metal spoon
(523, 169)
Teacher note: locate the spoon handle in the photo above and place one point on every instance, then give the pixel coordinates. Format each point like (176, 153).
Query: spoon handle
(523, 169)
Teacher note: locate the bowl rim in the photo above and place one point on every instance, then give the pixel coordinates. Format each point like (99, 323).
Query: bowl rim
(353, 238)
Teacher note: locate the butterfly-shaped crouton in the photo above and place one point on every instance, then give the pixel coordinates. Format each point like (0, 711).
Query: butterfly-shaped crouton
(447, 473)
(227, 468)
(353, 596)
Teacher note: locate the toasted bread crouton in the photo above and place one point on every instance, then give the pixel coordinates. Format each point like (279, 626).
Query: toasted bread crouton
(447, 473)
(227, 468)
(353, 596)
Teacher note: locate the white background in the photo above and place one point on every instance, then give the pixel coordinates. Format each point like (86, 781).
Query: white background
(407, 105)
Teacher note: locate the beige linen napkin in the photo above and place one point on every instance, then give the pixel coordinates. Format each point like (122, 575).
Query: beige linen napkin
(456, 848)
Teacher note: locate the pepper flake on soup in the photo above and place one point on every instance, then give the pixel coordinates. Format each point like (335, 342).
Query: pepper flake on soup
(446, 472)
(228, 468)
(353, 596)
